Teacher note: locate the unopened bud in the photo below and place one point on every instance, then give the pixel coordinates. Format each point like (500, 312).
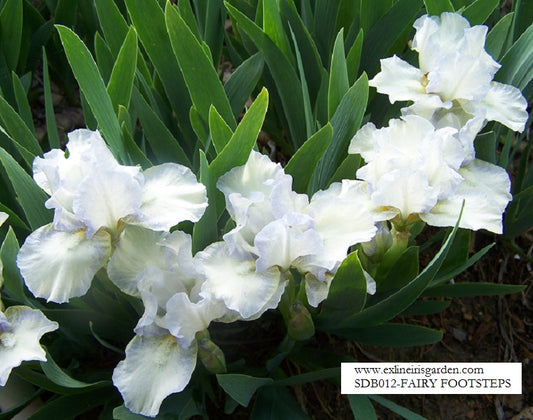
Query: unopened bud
(211, 356)
(300, 326)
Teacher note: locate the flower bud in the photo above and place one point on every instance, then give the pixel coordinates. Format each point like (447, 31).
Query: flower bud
(300, 325)
(211, 356)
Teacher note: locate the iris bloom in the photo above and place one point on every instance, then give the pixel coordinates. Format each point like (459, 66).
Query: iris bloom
(21, 328)
(93, 198)
(278, 229)
(161, 357)
(416, 170)
(453, 84)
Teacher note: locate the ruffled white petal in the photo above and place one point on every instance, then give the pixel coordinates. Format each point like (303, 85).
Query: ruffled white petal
(257, 176)
(400, 80)
(156, 286)
(437, 36)
(137, 249)
(87, 152)
(284, 240)
(46, 170)
(254, 192)
(180, 260)
(284, 200)
(425, 27)
(459, 77)
(407, 191)
(468, 127)
(485, 192)
(502, 103)
(60, 265)
(184, 318)
(236, 283)
(155, 367)
(104, 198)
(171, 194)
(89, 146)
(454, 76)
(410, 164)
(342, 216)
(363, 142)
(62, 175)
(21, 328)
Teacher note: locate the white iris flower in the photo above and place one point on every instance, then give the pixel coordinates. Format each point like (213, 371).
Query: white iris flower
(93, 198)
(278, 229)
(21, 328)
(453, 85)
(415, 169)
(161, 358)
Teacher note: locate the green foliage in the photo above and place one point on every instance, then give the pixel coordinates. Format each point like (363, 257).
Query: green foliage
(20, 135)
(304, 161)
(347, 294)
(436, 7)
(276, 402)
(149, 22)
(479, 11)
(361, 407)
(236, 151)
(93, 88)
(397, 302)
(13, 283)
(29, 196)
(123, 74)
(201, 78)
(241, 387)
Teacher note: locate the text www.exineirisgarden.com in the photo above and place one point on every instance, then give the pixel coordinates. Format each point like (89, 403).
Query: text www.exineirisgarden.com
(431, 378)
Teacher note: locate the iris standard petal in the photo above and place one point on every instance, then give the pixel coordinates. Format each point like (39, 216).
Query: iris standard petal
(256, 176)
(406, 190)
(284, 240)
(106, 197)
